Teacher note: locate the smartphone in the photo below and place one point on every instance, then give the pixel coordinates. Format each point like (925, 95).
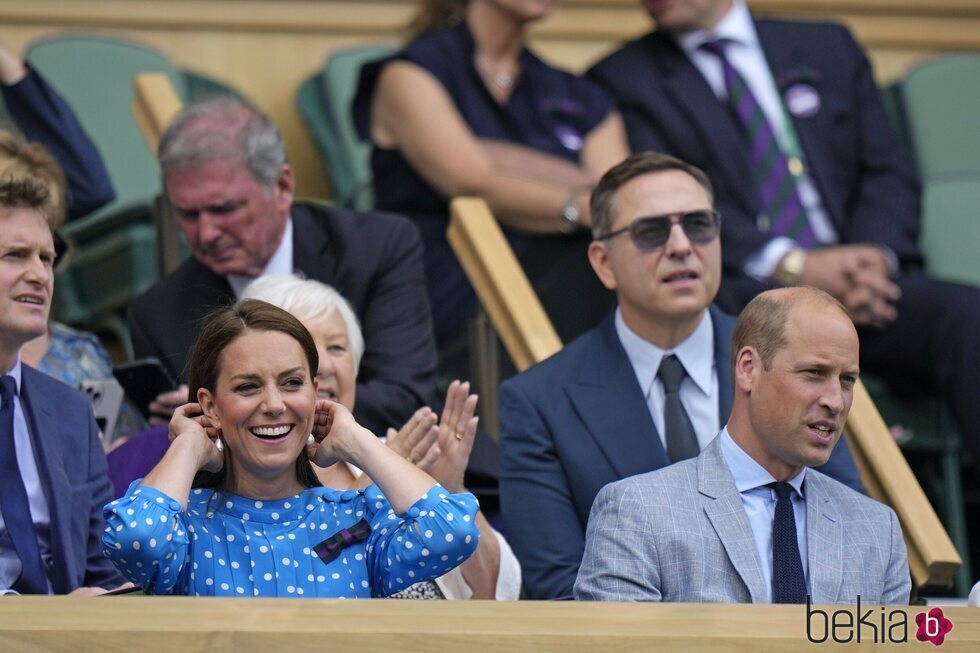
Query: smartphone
(106, 396)
(143, 380)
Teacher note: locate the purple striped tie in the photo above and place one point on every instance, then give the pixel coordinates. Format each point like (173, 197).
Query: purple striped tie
(775, 184)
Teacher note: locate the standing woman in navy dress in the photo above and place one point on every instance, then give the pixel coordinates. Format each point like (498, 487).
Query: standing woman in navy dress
(467, 109)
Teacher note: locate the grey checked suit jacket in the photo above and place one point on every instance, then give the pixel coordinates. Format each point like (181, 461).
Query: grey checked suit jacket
(680, 534)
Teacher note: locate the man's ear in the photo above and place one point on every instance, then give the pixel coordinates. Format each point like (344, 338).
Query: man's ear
(285, 188)
(601, 264)
(747, 365)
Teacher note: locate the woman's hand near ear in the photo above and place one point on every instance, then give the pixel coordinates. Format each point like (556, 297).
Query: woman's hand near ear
(192, 448)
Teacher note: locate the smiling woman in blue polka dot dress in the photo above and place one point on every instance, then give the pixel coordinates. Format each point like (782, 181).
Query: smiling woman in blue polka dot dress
(234, 507)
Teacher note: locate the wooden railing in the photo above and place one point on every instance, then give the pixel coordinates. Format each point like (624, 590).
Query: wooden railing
(155, 105)
(251, 625)
(526, 332)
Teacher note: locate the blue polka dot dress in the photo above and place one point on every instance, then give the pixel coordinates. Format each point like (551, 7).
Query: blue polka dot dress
(226, 545)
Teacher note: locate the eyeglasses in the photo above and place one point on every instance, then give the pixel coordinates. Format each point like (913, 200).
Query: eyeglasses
(653, 232)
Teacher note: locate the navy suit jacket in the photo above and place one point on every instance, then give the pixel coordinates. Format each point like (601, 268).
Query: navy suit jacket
(574, 423)
(865, 180)
(374, 260)
(42, 116)
(72, 469)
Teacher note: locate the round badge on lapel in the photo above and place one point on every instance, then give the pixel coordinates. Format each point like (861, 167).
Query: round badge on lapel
(802, 100)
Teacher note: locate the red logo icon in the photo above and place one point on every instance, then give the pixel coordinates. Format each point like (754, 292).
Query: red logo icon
(933, 626)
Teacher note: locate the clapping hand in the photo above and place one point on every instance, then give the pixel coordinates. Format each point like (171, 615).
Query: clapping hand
(417, 440)
(457, 432)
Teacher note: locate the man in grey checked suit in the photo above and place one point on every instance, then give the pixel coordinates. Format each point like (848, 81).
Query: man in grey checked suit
(708, 529)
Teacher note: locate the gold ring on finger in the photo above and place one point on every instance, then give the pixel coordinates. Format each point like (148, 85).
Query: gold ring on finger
(459, 436)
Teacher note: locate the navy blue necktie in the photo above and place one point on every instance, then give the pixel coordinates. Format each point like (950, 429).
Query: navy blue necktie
(788, 582)
(13, 501)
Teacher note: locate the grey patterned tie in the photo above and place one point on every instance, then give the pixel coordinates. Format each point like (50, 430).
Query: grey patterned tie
(682, 443)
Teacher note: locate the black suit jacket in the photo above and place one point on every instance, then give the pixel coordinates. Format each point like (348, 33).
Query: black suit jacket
(374, 260)
(868, 187)
(72, 470)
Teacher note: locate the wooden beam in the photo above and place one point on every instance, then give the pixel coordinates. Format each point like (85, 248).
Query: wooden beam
(256, 625)
(155, 105)
(500, 283)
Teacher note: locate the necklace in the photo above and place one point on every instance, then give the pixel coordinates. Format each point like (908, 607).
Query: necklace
(502, 79)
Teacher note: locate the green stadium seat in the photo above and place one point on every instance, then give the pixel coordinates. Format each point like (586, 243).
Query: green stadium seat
(324, 102)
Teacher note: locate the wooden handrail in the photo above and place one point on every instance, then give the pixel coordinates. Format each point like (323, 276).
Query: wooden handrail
(500, 283)
(155, 105)
(528, 336)
(234, 625)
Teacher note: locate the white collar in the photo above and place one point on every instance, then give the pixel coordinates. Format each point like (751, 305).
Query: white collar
(16, 372)
(280, 263)
(737, 27)
(696, 353)
(746, 471)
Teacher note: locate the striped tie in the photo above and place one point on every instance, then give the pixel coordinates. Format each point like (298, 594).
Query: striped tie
(775, 179)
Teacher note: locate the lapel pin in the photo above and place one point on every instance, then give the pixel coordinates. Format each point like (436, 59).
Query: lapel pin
(802, 100)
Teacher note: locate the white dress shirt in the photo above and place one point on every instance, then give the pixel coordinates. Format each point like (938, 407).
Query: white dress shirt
(280, 263)
(745, 54)
(699, 390)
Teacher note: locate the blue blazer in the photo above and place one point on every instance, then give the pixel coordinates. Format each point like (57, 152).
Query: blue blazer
(865, 179)
(43, 116)
(72, 469)
(571, 425)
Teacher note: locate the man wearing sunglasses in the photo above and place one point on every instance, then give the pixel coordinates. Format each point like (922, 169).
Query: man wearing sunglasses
(650, 386)
(787, 121)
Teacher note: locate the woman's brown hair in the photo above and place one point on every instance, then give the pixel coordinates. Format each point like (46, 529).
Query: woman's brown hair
(436, 14)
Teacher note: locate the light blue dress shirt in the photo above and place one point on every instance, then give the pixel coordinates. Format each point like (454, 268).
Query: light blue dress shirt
(9, 562)
(699, 391)
(759, 502)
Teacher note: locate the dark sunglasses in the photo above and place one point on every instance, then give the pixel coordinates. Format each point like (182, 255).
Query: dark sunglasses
(652, 232)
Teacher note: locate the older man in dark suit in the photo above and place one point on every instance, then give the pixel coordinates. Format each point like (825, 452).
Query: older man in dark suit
(53, 481)
(649, 386)
(226, 175)
(786, 120)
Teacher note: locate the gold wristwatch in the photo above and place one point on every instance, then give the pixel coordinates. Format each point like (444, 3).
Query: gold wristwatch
(790, 268)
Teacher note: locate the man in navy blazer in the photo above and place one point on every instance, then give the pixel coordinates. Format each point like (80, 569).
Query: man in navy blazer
(53, 458)
(594, 413)
(857, 186)
(226, 175)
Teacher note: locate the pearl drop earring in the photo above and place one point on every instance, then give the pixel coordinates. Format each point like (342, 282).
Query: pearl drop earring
(310, 440)
(219, 445)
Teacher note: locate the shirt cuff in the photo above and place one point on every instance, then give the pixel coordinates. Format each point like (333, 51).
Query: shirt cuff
(763, 263)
